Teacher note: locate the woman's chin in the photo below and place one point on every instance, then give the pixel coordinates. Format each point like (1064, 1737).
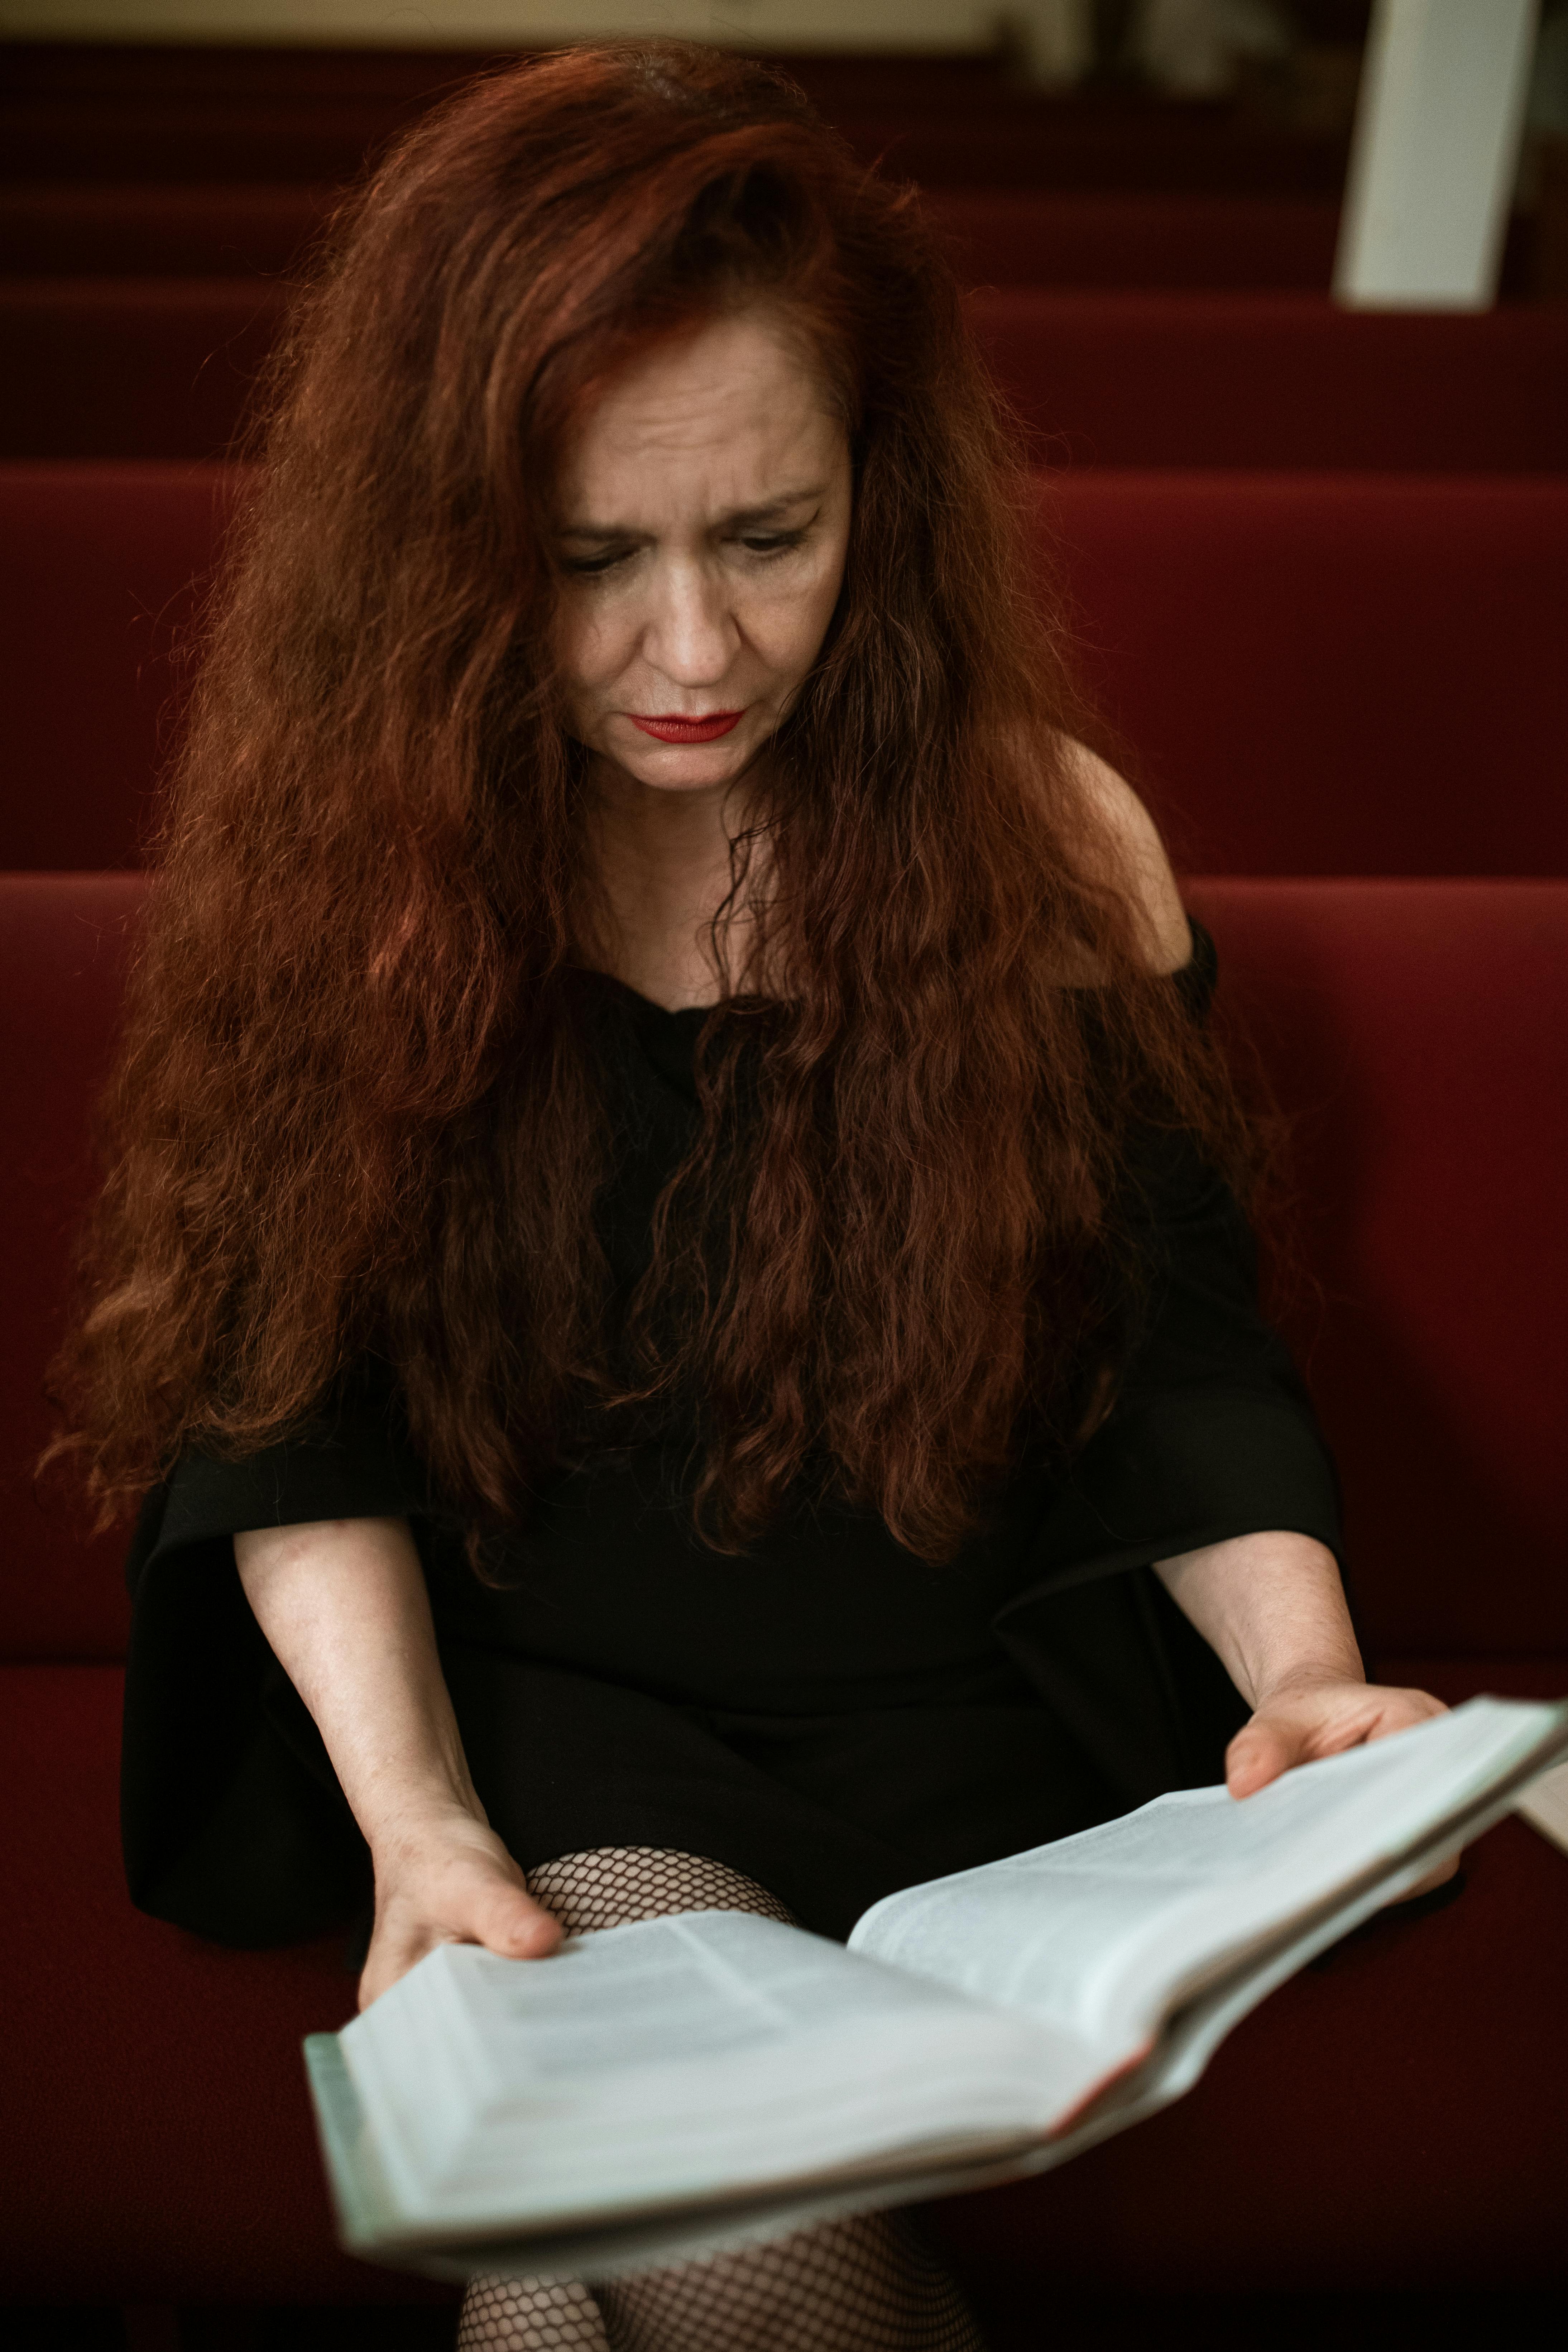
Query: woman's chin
(686, 767)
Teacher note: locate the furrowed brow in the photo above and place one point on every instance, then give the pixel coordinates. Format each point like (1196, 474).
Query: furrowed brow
(774, 511)
(737, 518)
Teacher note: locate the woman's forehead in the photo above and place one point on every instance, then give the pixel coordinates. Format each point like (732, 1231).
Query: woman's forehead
(733, 415)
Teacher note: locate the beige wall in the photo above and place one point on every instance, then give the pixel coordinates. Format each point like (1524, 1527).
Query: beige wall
(1055, 27)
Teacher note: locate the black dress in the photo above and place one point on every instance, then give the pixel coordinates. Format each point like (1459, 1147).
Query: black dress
(828, 1714)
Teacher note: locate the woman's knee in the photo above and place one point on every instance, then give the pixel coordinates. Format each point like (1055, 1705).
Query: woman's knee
(612, 1886)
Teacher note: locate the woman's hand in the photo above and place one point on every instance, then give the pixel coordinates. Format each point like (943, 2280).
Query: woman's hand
(448, 1879)
(1273, 1608)
(1306, 1716)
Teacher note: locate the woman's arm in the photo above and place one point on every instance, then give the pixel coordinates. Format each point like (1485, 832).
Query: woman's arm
(344, 1604)
(1272, 1606)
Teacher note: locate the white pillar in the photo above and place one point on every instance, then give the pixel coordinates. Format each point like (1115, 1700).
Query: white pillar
(1434, 154)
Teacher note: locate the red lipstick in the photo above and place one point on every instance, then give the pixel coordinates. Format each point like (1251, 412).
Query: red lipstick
(706, 729)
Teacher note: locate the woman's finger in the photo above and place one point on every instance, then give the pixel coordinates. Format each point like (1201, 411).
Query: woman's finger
(512, 1923)
(1260, 1751)
(487, 1906)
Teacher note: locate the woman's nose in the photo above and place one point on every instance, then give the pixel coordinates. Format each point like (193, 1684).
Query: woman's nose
(691, 634)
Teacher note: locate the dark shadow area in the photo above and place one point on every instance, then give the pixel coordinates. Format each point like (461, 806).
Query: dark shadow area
(1019, 2317)
(1025, 2321)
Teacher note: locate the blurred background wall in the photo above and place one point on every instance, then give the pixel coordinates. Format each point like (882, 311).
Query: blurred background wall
(1192, 46)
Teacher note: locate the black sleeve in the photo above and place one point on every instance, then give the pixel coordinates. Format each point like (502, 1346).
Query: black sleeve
(232, 1823)
(1211, 1435)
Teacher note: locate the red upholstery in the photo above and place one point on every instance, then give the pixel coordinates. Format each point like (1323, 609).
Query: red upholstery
(1001, 237)
(1381, 2124)
(1023, 238)
(1034, 145)
(154, 368)
(158, 2144)
(66, 229)
(1281, 380)
(63, 941)
(1417, 1035)
(1321, 674)
(99, 114)
(130, 367)
(1022, 146)
(95, 597)
(1212, 609)
(169, 138)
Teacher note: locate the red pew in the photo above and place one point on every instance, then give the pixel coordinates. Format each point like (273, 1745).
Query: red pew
(91, 112)
(159, 368)
(1394, 2121)
(1307, 674)
(1004, 236)
(96, 591)
(1273, 380)
(220, 229)
(998, 237)
(131, 367)
(1322, 674)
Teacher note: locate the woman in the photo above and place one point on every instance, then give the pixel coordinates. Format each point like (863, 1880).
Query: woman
(673, 1210)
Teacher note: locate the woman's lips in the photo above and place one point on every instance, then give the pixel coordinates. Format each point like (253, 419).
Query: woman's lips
(707, 729)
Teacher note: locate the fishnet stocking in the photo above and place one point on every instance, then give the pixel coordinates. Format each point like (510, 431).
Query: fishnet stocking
(522, 2316)
(865, 2285)
(617, 1884)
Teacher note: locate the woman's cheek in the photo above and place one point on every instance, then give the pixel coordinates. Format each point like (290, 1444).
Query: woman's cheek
(596, 649)
(788, 630)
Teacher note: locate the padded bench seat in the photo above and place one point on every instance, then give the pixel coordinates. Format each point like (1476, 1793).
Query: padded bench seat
(1272, 380)
(304, 114)
(1392, 2120)
(999, 235)
(161, 368)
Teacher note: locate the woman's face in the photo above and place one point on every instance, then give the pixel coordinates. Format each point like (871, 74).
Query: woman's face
(703, 515)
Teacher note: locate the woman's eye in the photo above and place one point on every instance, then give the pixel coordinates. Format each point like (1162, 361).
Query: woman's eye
(590, 567)
(595, 567)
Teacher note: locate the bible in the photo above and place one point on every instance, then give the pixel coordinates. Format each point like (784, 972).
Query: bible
(669, 2089)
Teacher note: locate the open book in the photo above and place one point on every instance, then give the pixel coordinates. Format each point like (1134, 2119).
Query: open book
(666, 2089)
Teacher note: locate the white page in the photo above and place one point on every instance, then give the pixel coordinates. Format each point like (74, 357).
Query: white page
(702, 2056)
(1098, 1934)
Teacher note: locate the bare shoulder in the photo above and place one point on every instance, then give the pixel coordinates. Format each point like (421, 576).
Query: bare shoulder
(1136, 858)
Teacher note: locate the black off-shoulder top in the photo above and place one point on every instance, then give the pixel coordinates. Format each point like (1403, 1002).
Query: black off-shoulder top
(827, 1714)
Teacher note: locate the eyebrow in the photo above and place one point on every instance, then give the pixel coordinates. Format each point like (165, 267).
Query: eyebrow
(739, 517)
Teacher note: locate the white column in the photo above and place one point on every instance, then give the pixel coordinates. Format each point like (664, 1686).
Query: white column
(1434, 154)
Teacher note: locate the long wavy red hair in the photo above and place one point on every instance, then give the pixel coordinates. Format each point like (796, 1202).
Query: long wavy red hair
(355, 1109)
